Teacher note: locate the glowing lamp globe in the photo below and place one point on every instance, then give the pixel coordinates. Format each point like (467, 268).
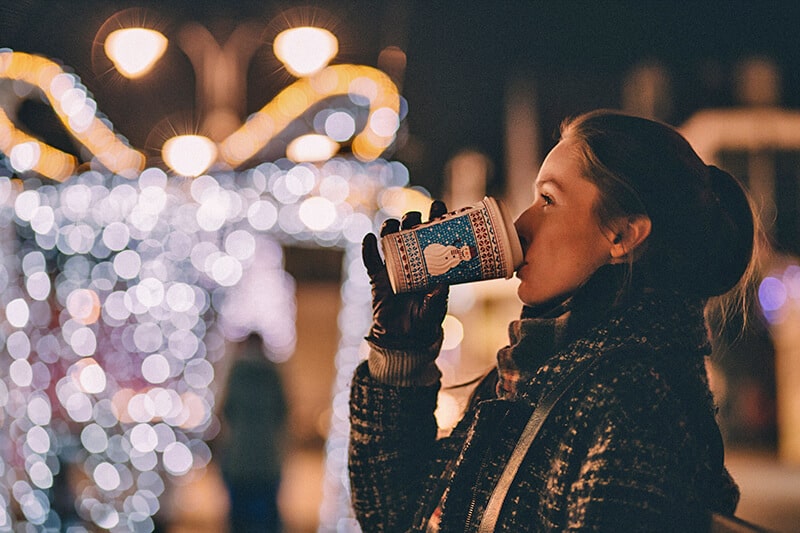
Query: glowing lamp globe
(189, 155)
(305, 50)
(134, 51)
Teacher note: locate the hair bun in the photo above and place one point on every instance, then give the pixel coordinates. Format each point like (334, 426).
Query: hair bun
(732, 231)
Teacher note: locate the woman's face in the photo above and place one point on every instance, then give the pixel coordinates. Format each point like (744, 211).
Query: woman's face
(562, 241)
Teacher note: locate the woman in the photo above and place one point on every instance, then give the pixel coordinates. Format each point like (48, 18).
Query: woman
(628, 237)
(252, 444)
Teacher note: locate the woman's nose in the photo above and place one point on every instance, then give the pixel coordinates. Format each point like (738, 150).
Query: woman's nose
(523, 226)
(525, 222)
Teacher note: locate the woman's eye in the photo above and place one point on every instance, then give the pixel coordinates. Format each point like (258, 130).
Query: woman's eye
(547, 199)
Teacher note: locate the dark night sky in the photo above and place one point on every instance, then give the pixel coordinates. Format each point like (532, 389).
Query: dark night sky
(460, 58)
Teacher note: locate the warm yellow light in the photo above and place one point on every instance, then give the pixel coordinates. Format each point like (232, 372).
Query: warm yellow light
(453, 332)
(305, 50)
(189, 155)
(398, 200)
(134, 51)
(311, 148)
(75, 109)
(366, 83)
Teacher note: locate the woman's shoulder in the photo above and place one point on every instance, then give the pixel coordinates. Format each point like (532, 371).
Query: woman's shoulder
(647, 382)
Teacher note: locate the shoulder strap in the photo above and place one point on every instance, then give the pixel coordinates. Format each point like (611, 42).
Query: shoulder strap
(540, 414)
(718, 523)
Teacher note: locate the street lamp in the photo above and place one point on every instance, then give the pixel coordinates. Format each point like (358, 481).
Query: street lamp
(134, 51)
(189, 155)
(306, 50)
(220, 71)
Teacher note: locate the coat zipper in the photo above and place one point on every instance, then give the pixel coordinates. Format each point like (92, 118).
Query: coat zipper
(474, 500)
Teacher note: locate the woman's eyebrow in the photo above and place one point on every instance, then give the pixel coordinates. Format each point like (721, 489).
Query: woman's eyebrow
(548, 180)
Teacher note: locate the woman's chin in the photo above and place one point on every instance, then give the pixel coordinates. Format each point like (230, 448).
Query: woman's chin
(525, 295)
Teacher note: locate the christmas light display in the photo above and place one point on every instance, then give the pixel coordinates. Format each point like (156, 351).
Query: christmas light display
(112, 281)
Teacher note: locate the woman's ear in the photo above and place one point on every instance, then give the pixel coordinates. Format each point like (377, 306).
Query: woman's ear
(629, 235)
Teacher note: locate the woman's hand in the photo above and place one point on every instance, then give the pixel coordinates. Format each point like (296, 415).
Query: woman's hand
(407, 320)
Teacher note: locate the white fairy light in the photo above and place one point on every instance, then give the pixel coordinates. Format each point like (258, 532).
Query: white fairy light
(133, 272)
(17, 312)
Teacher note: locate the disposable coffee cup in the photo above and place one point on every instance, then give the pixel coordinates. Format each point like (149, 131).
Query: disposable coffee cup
(474, 243)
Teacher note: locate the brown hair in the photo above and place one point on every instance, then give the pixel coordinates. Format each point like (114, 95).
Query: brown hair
(703, 225)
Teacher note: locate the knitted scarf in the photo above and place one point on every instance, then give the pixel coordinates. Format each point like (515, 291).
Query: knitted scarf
(543, 330)
(536, 338)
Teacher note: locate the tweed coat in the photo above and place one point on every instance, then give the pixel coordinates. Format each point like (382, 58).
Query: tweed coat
(627, 450)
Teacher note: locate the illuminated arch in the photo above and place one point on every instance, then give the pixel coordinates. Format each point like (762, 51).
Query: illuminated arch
(71, 105)
(294, 100)
(75, 109)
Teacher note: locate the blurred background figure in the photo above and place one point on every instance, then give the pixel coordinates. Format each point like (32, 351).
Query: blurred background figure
(252, 441)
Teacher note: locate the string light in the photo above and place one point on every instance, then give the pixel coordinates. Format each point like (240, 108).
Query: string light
(137, 272)
(113, 286)
(366, 86)
(76, 110)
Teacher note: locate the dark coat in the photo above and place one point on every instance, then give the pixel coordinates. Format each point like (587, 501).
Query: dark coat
(628, 449)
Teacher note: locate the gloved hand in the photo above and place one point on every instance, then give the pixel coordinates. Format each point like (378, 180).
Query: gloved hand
(405, 321)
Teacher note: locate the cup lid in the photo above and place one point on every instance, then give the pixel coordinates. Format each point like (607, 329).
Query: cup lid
(508, 234)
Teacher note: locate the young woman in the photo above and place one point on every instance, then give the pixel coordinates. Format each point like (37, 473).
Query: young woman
(628, 237)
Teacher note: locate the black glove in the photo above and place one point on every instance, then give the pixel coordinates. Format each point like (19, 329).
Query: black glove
(405, 321)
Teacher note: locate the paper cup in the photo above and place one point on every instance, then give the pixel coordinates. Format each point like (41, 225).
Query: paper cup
(472, 244)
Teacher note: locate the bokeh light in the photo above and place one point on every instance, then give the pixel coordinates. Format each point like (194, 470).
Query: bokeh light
(453, 332)
(122, 303)
(305, 50)
(339, 125)
(121, 286)
(366, 87)
(134, 51)
(189, 155)
(779, 293)
(447, 412)
(76, 110)
(311, 148)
